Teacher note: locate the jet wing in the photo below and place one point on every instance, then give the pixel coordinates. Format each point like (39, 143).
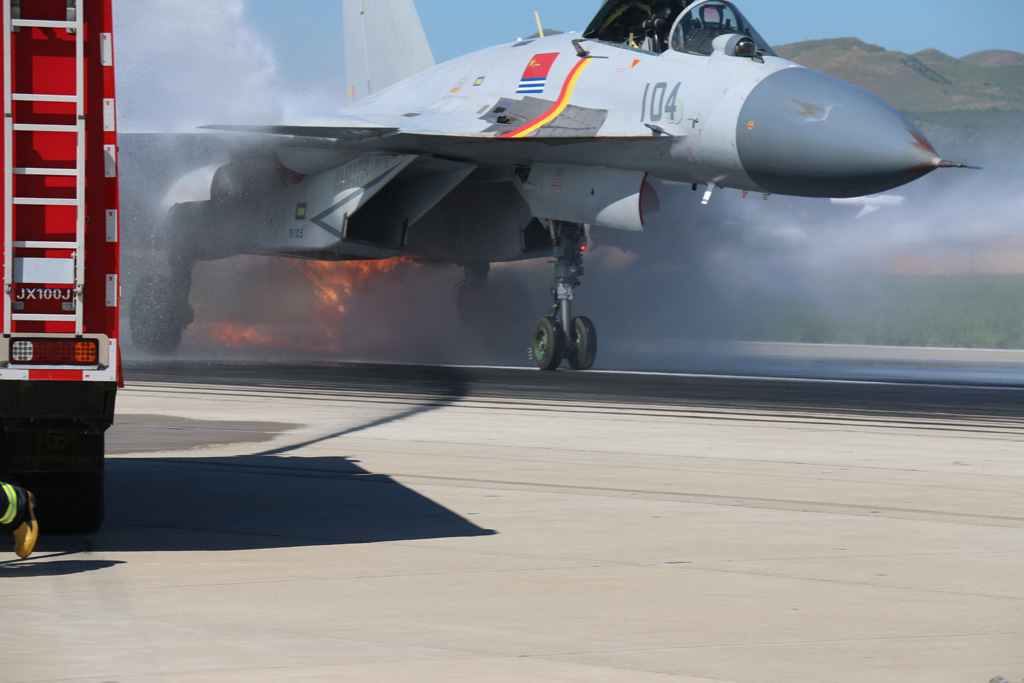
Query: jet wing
(576, 141)
(341, 133)
(481, 149)
(345, 134)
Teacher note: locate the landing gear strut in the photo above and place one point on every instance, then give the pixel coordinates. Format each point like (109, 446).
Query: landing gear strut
(558, 335)
(159, 311)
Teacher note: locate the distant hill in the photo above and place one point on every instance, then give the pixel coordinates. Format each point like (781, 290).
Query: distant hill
(965, 102)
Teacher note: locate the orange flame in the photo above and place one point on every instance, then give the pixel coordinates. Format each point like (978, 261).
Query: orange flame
(229, 334)
(332, 279)
(330, 283)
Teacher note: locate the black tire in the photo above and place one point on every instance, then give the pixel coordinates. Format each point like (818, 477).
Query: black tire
(583, 351)
(548, 344)
(66, 503)
(158, 315)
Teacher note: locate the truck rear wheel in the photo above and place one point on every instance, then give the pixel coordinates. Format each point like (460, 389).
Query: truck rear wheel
(66, 503)
(64, 469)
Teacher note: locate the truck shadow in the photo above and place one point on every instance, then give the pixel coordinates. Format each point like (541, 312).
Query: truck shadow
(49, 565)
(275, 497)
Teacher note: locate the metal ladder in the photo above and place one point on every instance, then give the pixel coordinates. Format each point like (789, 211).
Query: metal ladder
(31, 269)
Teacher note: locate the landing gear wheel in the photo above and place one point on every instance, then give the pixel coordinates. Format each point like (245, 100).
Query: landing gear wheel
(548, 344)
(549, 336)
(158, 316)
(583, 350)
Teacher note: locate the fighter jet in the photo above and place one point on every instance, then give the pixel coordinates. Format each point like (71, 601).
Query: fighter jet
(510, 152)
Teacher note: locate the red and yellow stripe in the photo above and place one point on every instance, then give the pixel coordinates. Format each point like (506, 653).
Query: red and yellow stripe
(559, 106)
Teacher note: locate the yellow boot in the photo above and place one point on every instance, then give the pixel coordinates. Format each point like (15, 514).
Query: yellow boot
(25, 535)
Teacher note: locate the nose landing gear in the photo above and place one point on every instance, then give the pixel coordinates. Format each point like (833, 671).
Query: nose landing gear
(558, 335)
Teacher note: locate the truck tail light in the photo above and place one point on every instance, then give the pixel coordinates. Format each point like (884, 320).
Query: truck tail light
(54, 352)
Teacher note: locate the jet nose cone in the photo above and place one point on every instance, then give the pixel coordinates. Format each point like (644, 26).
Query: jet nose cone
(803, 133)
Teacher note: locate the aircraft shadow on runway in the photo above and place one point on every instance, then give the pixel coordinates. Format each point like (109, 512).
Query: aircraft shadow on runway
(272, 498)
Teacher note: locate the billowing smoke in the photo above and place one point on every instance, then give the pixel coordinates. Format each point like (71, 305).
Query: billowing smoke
(182, 64)
(941, 269)
(187, 63)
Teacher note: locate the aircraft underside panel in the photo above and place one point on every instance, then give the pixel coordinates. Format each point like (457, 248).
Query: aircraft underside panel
(385, 219)
(479, 222)
(609, 197)
(362, 209)
(336, 195)
(317, 219)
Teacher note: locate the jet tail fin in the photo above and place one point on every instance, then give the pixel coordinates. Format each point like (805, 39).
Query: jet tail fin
(384, 44)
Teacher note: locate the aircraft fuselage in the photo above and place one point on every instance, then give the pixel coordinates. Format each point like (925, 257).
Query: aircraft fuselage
(763, 125)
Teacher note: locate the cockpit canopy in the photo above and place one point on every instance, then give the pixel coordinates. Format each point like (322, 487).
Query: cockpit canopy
(689, 26)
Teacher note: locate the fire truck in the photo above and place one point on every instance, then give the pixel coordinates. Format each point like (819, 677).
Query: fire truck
(59, 357)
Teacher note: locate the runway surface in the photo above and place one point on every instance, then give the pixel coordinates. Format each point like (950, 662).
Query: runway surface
(392, 523)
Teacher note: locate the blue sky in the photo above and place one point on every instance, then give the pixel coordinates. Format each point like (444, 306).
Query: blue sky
(305, 35)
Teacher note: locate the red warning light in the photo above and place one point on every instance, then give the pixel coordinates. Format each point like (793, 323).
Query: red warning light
(583, 247)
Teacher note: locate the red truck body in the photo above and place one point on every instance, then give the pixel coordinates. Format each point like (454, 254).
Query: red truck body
(59, 355)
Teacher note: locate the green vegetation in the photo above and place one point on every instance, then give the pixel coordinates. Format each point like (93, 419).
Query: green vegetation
(965, 311)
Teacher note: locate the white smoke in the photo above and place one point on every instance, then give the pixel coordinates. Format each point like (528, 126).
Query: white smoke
(945, 218)
(187, 63)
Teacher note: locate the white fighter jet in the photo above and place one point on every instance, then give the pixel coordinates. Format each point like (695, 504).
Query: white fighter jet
(509, 152)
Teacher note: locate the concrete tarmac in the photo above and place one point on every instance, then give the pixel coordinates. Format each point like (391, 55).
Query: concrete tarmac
(382, 523)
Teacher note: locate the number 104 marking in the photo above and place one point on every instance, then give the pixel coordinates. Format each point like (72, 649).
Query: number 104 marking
(660, 104)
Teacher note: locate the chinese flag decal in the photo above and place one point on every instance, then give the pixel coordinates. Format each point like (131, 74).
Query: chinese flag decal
(536, 75)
